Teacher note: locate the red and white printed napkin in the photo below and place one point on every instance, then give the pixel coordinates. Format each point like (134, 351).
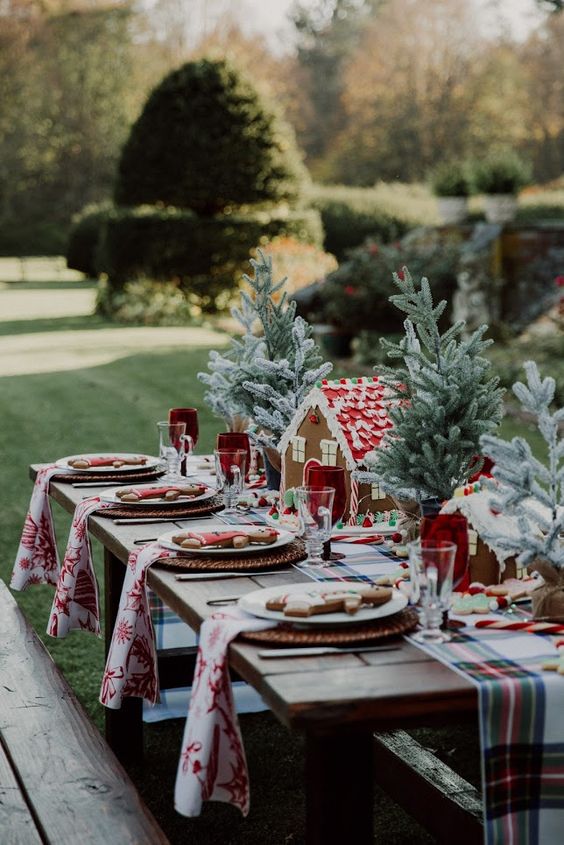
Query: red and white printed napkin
(131, 666)
(75, 605)
(212, 763)
(37, 560)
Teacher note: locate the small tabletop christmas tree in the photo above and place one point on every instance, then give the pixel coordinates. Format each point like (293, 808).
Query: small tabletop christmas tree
(265, 375)
(445, 400)
(534, 492)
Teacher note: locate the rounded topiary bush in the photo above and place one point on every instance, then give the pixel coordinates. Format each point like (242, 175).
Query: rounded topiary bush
(206, 141)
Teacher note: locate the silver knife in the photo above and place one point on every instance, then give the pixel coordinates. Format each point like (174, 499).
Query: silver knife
(98, 484)
(206, 576)
(140, 521)
(318, 651)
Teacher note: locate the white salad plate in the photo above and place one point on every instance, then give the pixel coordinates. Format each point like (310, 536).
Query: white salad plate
(111, 496)
(284, 537)
(150, 463)
(255, 603)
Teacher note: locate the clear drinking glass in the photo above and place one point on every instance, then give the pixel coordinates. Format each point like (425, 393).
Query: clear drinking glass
(172, 446)
(230, 468)
(431, 565)
(315, 507)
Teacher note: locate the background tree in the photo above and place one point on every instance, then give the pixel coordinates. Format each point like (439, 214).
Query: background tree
(65, 108)
(405, 92)
(205, 140)
(328, 33)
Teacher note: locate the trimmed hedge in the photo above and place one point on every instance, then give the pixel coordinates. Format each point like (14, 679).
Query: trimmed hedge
(84, 239)
(351, 215)
(206, 255)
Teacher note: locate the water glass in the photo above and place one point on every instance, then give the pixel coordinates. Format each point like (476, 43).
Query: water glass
(172, 441)
(315, 508)
(227, 440)
(324, 476)
(431, 565)
(230, 468)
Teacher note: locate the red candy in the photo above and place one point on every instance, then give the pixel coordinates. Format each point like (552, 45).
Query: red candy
(396, 537)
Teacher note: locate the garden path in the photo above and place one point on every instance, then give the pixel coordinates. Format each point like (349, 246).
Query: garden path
(56, 351)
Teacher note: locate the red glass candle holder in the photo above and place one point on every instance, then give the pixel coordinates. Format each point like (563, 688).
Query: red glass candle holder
(189, 416)
(450, 527)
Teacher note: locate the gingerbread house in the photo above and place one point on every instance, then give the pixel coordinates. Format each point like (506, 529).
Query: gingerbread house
(488, 563)
(338, 424)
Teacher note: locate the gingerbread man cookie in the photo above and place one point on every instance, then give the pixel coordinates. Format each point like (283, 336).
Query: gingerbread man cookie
(168, 494)
(193, 540)
(108, 461)
(313, 603)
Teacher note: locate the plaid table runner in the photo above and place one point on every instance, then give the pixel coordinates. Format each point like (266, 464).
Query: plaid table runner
(521, 731)
(521, 710)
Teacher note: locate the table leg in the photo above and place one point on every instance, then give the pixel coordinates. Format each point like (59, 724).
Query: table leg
(124, 727)
(339, 788)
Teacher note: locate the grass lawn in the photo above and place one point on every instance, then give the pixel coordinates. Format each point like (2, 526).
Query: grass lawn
(115, 406)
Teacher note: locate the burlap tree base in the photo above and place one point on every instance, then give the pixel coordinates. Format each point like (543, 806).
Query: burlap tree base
(548, 600)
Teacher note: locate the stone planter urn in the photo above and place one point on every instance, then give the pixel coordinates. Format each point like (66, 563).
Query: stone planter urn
(452, 210)
(500, 208)
(548, 600)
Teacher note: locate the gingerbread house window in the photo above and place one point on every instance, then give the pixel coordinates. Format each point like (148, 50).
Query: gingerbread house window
(472, 541)
(328, 452)
(298, 449)
(376, 492)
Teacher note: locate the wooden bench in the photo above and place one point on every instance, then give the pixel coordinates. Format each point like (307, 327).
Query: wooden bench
(444, 803)
(59, 781)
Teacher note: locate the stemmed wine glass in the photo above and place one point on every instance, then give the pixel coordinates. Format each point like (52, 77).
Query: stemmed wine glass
(172, 444)
(315, 507)
(189, 416)
(230, 466)
(324, 476)
(431, 566)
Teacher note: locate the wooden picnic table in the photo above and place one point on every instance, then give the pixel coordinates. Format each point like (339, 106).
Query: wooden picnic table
(337, 701)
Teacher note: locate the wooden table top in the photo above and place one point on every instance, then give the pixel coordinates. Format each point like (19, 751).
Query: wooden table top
(381, 690)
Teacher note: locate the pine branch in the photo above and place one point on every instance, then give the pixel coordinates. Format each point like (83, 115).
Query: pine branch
(445, 398)
(528, 489)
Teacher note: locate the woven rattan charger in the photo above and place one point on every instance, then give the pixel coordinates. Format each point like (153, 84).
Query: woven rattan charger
(258, 558)
(365, 632)
(128, 477)
(182, 510)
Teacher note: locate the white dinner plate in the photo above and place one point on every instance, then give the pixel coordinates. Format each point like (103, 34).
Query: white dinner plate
(284, 537)
(150, 463)
(255, 603)
(110, 496)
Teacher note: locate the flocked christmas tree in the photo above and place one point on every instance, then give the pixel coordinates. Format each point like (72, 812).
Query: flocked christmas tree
(225, 377)
(528, 489)
(265, 374)
(445, 400)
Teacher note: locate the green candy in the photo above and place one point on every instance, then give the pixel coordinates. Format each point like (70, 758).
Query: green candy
(289, 498)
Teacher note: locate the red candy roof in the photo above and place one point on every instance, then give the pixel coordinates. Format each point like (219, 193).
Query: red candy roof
(356, 412)
(361, 411)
